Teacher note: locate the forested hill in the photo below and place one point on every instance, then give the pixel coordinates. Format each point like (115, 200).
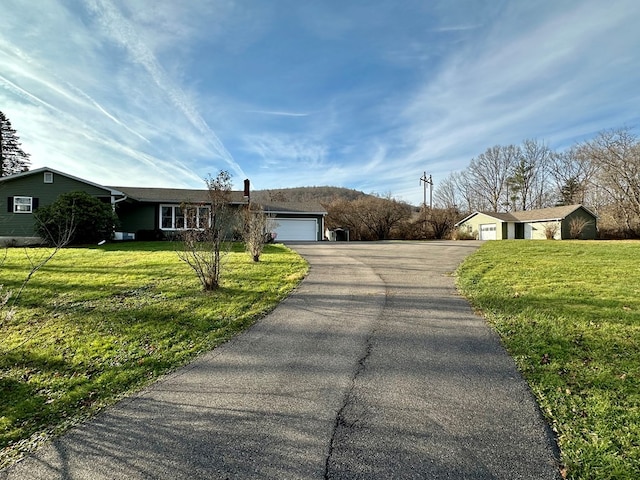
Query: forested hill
(323, 195)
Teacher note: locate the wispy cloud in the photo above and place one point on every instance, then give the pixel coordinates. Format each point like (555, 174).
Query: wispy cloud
(124, 33)
(279, 113)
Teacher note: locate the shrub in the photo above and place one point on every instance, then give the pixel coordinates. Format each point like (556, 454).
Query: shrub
(577, 226)
(78, 216)
(550, 230)
(458, 234)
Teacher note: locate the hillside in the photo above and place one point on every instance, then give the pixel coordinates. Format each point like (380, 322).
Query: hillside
(323, 195)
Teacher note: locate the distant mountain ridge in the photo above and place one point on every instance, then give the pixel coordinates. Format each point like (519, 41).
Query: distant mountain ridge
(323, 195)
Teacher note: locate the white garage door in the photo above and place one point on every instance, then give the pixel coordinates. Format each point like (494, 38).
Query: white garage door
(293, 229)
(488, 231)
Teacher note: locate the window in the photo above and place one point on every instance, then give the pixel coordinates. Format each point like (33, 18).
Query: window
(48, 177)
(173, 217)
(22, 204)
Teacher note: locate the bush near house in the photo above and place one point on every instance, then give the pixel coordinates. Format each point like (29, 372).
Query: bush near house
(83, 218)
(569, 314)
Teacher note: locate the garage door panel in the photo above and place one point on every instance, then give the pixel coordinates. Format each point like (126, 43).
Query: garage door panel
(296, 229)
(488, 231)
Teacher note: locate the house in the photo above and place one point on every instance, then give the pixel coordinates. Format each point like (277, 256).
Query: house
(143, 213)
(569, 221)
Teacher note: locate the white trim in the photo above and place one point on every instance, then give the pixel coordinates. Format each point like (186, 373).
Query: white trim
(16, 203)
(48, 177)
(200, 224)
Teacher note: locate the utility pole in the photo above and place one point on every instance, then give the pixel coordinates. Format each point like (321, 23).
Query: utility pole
(427, 181)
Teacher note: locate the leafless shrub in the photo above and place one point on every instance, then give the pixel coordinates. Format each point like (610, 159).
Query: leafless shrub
(577, 226)
(206, 230)
(256, 230)
(550, 230)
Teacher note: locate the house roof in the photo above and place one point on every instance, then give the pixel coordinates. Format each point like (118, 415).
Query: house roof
(111, 190)
(538, 215)
(312, 208)
(175, 195)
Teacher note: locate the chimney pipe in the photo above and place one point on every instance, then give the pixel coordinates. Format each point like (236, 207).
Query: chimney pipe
(247, 185)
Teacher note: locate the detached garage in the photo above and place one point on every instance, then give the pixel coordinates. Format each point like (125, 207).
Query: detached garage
(567, 221)
(297, 222)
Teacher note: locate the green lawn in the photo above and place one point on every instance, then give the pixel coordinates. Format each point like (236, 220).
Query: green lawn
(569, 314)
(96, 323)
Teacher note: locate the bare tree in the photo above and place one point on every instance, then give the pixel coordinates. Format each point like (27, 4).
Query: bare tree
(615, 156)
(380, 215)
(368, 217)
(256, 230)
(488, 176)
(450, 192)
(442, 222)
(527, 183)
(572, 173)
(207, 229)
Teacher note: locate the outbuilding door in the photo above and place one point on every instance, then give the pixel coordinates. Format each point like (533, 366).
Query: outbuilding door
(488, 231)
(296, 229)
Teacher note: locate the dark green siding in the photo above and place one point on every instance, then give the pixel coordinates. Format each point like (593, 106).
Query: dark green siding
(21, 224)
(137, 216)
(589, 232)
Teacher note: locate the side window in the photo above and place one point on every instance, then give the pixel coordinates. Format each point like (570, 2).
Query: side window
(22, 204)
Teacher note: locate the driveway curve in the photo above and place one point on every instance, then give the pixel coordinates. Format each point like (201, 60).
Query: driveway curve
(373, 368)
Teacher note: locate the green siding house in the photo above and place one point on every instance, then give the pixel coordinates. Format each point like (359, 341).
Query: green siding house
(566, 222)
(143, 213)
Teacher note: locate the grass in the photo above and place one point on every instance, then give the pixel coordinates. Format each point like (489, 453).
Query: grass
(97, 323)
(569, 314)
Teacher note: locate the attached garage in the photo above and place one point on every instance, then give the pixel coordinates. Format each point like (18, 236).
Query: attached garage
(296, 229)
(296, 221)
(488, 231)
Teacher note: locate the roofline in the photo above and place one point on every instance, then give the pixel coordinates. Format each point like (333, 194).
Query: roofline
(58, 172)
(295, 211)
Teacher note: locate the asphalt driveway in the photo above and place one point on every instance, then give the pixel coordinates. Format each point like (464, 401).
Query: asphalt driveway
(373, 368)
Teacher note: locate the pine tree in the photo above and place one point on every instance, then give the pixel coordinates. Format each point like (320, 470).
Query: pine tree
(12, 158)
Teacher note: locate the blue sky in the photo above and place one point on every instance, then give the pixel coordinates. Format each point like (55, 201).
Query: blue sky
(360, 94)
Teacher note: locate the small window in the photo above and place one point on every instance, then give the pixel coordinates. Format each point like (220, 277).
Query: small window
(48, 177)
(22, 204)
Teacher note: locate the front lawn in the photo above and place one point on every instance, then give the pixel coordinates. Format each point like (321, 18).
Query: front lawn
(96, 323)
(569, 314)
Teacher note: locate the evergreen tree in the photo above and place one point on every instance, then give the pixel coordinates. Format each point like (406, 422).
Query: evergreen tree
(12, 158)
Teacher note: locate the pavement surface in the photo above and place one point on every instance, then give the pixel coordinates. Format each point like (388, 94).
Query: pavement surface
(375, 368)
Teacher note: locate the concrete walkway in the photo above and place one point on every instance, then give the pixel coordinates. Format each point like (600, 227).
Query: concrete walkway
(373, 368)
